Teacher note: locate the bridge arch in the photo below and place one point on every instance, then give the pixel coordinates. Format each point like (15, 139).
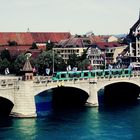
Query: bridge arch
(59, 98)
(6, 106)
(115, 92)
(104, 84)
(7, 96)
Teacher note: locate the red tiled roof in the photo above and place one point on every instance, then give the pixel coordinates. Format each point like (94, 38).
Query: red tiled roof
(27, 38)
(104, 45)
(99, 38)
(20, 38)
(53, 37)
(73, 41)
(16, 50)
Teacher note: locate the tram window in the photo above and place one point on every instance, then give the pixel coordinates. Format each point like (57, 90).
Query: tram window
(113, 72)
(99, 73)
(126, 72)
(63, 75)
(57, 76)
(78, 75)
(92, 74)
(119, 72)
(116, 72)
(107, 72)
(71, 75)
(85, 74)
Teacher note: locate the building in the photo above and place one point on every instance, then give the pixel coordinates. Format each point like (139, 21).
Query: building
(21, 42)
(102, 54)
(74, 45)
(27, 38)
(112, 39)
(131, 55)
(98, 38)
(94, 54)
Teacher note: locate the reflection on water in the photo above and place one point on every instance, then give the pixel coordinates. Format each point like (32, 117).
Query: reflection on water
(17, 128)
(87, 123)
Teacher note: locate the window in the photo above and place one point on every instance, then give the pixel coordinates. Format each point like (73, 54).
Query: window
(92, 74)
(85, 74)
(99, 73)
(63, 75)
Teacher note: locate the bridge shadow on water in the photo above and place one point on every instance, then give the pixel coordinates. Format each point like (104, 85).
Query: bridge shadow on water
(118, 96)
(59, 99)
(68, 98)
(5, 107)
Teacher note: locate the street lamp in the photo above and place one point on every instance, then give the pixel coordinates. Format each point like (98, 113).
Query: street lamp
(103, 54)
(53, 60)
(105, 59)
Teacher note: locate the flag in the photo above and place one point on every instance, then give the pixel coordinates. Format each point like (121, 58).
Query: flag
(110, 67)
(68, 68)
(131, 66)
(74, 69)
(7, 71)
(118, 66)
(47, 71)
(34, 69)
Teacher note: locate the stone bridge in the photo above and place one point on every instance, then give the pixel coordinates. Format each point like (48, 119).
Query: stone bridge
(22, 93)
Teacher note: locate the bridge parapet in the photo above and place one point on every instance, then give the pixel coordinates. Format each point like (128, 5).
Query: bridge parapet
(8, 83)
(44, 81)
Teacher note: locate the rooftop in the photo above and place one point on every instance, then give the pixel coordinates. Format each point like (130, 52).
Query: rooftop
(27, 38)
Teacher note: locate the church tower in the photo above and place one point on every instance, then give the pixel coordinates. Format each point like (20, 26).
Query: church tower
(27, 71)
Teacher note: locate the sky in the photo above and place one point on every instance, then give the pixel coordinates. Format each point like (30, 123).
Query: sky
(74, 16)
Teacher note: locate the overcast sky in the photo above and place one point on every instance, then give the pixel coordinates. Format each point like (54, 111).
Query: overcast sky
(75, 16)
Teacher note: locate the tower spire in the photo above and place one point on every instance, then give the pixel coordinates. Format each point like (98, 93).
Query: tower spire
(139, 13)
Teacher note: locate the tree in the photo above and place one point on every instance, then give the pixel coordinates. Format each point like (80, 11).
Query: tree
(49, 45)
(19, 63)
(46, 59)
(5, 54)
(84, 64)
(73, 60)
(3, 65)
(84, 55)
(34, 46)
(59, 64)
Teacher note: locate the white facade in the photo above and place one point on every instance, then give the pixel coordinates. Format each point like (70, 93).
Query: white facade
(112, 39)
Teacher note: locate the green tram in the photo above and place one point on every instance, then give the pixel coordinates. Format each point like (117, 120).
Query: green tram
(85, 74)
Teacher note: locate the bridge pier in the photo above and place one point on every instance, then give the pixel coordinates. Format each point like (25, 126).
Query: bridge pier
(93, 97)
(24, 104)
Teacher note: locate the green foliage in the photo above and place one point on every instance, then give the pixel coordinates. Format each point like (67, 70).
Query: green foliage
(84, 55)
(19, 63)
(78, 61)
(34, 46)
(59, 64)
(73, 60)
(45, 60)
(49, 45)
(3, 65)
(5, 54)
(84, 64)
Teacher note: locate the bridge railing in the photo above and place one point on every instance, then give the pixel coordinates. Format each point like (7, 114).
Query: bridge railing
(48, 79)
(44, 80)
(8, 83)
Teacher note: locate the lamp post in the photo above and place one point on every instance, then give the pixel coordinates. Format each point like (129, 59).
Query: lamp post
(105, 58)
(53, 60)
(103, 53)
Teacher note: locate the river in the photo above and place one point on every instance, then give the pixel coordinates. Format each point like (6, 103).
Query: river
(85, 123)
